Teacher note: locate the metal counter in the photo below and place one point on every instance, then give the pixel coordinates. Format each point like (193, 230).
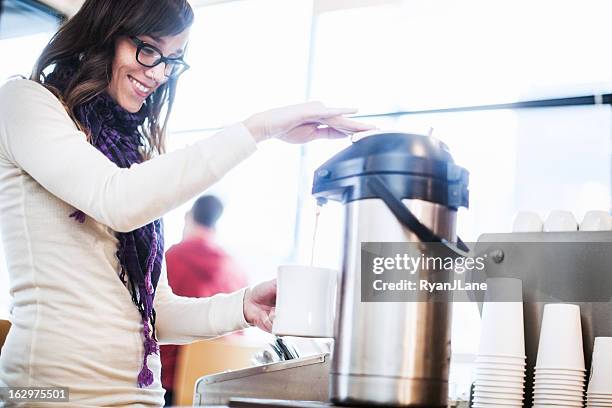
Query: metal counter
(305, 378)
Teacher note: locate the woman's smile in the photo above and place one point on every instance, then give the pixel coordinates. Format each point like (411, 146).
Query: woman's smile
(141, 89)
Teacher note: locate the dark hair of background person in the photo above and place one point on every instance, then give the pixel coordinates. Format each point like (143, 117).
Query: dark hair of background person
(89, 38)
(206, 210)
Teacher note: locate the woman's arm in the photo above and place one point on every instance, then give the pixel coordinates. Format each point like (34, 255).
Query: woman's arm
(182, 320)
(37, 135)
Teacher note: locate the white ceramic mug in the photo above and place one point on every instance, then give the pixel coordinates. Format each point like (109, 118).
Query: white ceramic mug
(305, 301)
(596, 221)
(527, 221)
(560, 220)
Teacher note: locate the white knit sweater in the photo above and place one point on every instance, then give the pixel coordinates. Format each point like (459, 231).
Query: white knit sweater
(74, 323)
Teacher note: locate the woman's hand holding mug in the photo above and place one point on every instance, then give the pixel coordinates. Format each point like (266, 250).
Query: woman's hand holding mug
(259, 303)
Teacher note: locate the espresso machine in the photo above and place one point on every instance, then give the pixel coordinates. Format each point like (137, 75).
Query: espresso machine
(395, 187)
(555, 267)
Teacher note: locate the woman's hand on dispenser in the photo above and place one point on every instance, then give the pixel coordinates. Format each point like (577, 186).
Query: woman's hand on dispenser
(259, 304)
(304, 122)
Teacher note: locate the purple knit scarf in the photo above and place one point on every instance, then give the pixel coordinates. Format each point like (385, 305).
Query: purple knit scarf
(115, 133)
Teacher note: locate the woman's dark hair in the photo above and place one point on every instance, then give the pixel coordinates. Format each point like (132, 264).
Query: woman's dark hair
(89, 39)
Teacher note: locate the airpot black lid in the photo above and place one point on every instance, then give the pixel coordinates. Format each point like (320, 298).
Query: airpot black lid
(412, 166)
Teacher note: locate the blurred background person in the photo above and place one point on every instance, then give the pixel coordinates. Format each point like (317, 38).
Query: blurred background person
(198, 267)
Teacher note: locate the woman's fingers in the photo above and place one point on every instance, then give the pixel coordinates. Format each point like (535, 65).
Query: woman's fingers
(266, 322)
(329, 133)
(303, 122)
(331, 129)
(344, 124)
(303, 133)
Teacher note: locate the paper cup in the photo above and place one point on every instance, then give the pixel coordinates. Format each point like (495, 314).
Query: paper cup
(305, 301)
(501, 366)
(522, 358)
(502, 360)
(570, 375)
(552, 386)
(601, 370)
(492, 375)
(562, 371)
(502, 330)
(540, 395)
(518, 396)
(500, 383)
(497, 401)
(559, 404)
(496, 405)
(600, 397)
(501, 390)
(556, 391)
(567, 377)
(599, 402)
(554, 401)
(557, 382)
(561, 351)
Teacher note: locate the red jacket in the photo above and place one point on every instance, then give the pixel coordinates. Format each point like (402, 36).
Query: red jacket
(197, 267)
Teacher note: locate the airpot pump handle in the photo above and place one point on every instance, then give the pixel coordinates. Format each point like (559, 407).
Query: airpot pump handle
(409, 220)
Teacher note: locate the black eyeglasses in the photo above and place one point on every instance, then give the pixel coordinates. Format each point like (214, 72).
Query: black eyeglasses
(150, 56)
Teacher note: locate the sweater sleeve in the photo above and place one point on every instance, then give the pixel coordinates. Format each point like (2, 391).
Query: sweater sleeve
(38, 136)
(181, 320)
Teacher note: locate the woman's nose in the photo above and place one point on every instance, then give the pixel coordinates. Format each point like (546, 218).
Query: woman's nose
(157, 73)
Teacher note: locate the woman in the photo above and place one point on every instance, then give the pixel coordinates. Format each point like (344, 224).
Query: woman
(84, 182)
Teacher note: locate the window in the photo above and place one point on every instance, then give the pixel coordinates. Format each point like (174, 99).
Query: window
(247, 56)
(414, 55)
(23, 52)
(419, 54)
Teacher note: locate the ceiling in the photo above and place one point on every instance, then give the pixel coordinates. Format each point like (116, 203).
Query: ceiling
(70, 7)
(26, 17)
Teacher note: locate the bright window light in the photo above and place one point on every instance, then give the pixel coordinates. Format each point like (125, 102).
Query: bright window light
(245, 56)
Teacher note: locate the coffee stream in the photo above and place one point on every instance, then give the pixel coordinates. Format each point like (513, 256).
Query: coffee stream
(314, 234)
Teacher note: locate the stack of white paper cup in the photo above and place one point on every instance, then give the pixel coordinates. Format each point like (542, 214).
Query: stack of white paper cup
(560, 371)
(599, 393)
(500, 363)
